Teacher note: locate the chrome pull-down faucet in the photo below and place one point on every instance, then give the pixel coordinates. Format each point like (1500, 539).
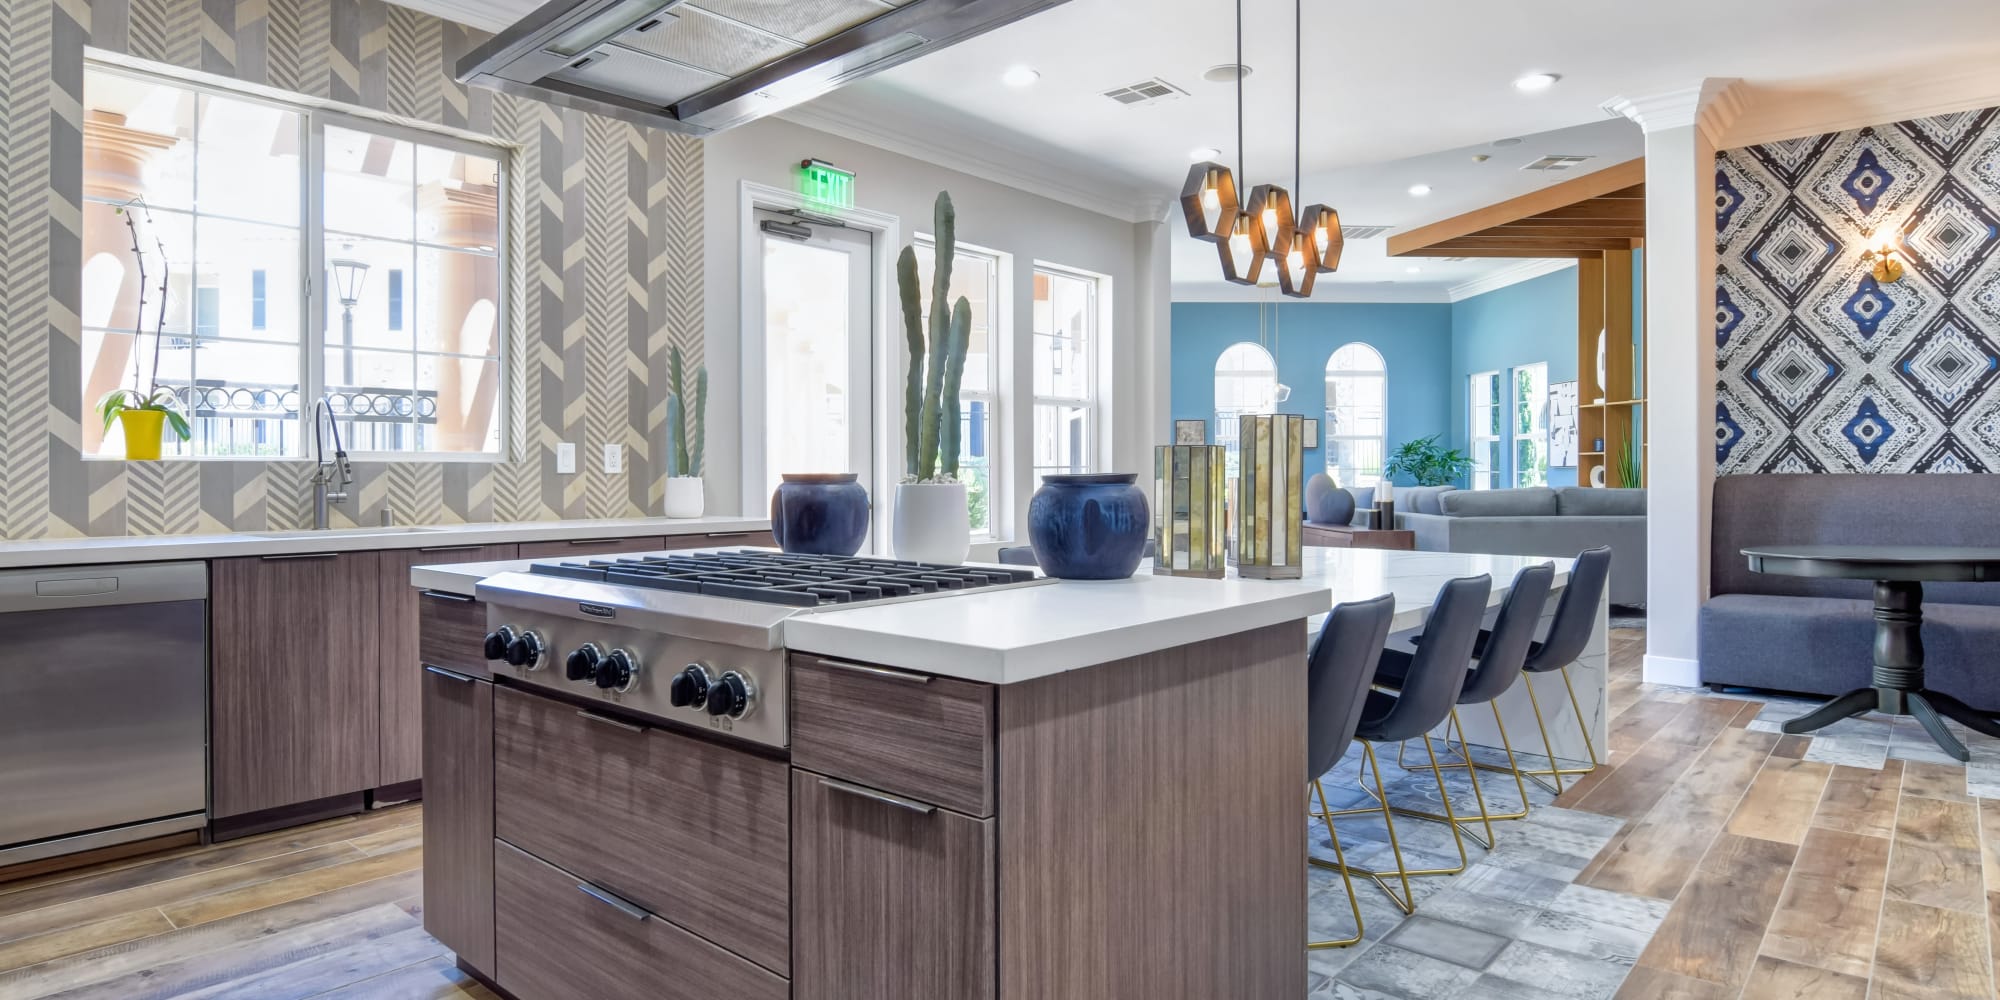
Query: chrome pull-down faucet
(324, 476)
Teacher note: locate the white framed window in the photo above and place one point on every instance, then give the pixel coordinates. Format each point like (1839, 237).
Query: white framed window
(1487, 420)
(975, 274)
(1066, 346)
(1530, 400)
(307, 254)
(1357, 400)
(1246, 381)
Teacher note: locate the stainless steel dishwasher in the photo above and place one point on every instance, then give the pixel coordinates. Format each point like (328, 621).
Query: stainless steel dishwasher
(103, 706)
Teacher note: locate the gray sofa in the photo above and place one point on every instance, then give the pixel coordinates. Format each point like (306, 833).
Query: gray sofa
(1786, 633)
(1536, 521)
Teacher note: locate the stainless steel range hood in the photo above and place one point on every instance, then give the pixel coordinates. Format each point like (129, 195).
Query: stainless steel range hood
(701, 66)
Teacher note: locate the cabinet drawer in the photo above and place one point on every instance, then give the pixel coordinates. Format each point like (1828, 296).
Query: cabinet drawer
(725, 540)
(560, 938)
(582, 548)
(458, 814)
(692, 830)
(895, 899)
(451, 633)
(929, 738)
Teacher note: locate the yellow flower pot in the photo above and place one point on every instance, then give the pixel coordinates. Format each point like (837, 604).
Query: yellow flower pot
(144, 430)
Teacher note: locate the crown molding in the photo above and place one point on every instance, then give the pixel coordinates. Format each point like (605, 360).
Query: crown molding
(1775, 112)
(1711, 106)
(965, 152)
(1514, 274)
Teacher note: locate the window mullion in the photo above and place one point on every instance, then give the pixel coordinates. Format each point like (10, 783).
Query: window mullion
(312, 322)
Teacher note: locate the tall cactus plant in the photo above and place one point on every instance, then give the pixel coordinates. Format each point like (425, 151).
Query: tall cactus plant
(686, 437)
(930, 395)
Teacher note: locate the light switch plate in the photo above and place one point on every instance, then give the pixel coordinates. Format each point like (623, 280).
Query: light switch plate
(565, 459)
(614, 459)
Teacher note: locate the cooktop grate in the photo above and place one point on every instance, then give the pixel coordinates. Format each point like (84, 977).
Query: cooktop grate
(782, 578)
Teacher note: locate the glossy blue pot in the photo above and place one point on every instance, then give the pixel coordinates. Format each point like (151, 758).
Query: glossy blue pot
(820, 514)
(1089, 527)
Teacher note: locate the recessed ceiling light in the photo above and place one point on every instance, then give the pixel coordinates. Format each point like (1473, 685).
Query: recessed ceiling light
(1020, 76)
(1536, 81)
(1504, 143)
(1226, 73)
(1204, 153)
(1420, 190)
(1413, 269)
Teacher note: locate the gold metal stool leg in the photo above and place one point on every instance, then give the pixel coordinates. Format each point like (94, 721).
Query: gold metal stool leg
(1403, 872)
(1353, 903)
(1554, 770)
(1486, 816)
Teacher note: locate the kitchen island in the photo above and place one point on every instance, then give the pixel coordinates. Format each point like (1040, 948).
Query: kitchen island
(1054, 790)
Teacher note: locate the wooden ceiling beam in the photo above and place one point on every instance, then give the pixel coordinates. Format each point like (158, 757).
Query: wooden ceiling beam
(1601, 208)
(1555, 197)
(1544, 222)
(1514, 242)
(1522, 254)
(1623, 230)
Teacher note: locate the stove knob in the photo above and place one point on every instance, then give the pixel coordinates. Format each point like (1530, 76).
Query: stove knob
(497, 642)
(690, 687)
(582, 664)
(731, 696)
(618, 671)
(526, 650)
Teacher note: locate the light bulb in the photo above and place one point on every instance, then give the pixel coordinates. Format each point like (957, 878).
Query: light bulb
(1320, 238)
(1270, 228)
(1211, 205)
(1239, 245)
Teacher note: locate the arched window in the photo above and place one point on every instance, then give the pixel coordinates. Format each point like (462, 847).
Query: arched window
(1246, 380)
(1357, 397)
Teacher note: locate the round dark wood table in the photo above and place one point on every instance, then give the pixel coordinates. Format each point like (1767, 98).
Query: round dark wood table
(1899, 572)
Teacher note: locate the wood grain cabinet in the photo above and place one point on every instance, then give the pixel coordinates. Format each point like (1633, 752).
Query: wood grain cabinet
(294, 679)
(458, 813)
(398, 631)
(893, 898)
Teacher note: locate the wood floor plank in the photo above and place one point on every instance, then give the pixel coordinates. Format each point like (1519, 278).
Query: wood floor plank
(1861, 800)
(23, 952)
(1657, 984)
(143, 958)
(1773, 979)
(1639, 723)
(1637, 783)
(316, 974)
(1793, 746)
(436, 979)
(300, 886)
(1936, 859)
(1826, 918)
(389, 841)
(1716, 924)
(1657, 855)
(1932, 953)
(1781, 802)
(1702, 720)
(28, 923)
(1935, 781)
(1989, 842)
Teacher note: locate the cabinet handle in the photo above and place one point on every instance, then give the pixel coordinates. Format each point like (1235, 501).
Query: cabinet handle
(731, 534)
(605, 720)
(595, 541)
(448, 674)
(301, 557)
(891, 675)
(442, 596)
(452, 548)
(875, 796)
(613, 901)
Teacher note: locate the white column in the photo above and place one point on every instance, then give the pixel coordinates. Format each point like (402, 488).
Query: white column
(1143, 418)
(1681, 128)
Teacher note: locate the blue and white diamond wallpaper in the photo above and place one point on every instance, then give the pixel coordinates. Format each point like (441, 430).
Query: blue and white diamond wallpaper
(1824, 369)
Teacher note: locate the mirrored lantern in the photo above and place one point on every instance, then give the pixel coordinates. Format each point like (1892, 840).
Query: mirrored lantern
(1327, 240)
(1270, 496)
(1209, 201)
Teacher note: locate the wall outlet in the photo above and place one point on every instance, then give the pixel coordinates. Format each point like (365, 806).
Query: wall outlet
(614, 459)
(565, 459)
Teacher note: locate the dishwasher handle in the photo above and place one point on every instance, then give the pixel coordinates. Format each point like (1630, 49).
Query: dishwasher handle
(65, 587)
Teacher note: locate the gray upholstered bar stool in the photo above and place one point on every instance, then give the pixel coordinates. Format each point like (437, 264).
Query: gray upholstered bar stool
(1569, 633)
(1338, 671)
(1500, 659)
(1430, 687)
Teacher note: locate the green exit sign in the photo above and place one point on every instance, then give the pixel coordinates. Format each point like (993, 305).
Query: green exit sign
(825, 185)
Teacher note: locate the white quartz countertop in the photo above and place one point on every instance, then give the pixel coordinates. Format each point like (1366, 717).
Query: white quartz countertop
(161, 548)
(1013, 635)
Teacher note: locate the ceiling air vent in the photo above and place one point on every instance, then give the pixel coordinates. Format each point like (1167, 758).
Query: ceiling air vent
(1361, 232)
(1558, 161)
(1456, 260)
(1151, 91)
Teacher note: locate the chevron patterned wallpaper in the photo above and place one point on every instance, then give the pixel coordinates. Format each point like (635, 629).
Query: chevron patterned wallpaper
(1824, 369)
(605, 250)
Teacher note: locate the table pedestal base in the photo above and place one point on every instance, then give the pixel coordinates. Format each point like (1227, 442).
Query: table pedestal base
(1899, 677)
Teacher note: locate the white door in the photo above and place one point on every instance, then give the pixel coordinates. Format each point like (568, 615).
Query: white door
(817, 337)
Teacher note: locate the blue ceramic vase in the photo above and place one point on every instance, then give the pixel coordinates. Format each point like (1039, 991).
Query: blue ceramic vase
(820, 514)
(1089, 527)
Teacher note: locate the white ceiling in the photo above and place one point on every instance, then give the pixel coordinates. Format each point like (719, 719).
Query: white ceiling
(1396, 94)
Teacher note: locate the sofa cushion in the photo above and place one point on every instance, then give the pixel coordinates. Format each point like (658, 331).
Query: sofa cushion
(1824, 645)
(1587, 502)
(1421, 499)
(1534, 501)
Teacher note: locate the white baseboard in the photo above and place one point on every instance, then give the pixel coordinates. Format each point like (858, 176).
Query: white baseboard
(1672, 670)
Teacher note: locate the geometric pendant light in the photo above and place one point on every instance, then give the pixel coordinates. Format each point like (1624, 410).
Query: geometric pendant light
(1209, 201)
(1314, 245)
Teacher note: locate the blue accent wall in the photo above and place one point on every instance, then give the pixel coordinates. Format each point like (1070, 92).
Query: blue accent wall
(1522, 324)
(1415, 341)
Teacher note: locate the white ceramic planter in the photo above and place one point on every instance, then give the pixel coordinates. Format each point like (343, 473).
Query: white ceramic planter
(684, 496)
(931, 523)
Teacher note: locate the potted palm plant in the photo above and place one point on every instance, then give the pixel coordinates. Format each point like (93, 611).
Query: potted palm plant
(932, 522)
(145, 412)
(686, 439)
(1428, 462)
